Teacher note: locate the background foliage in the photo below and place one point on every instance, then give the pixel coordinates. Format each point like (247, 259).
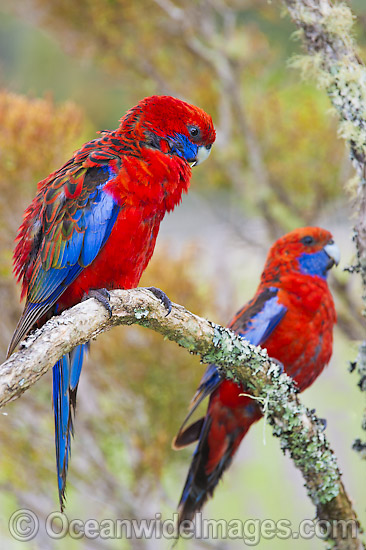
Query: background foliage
(68, 69)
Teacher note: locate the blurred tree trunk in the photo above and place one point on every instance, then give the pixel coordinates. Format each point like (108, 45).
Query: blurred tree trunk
(326, 31)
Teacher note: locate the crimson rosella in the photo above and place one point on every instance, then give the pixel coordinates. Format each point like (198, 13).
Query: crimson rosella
(93, 224)
(292, 315)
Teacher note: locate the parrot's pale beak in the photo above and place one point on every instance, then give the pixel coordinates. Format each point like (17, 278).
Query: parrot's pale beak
(202, 153)
(333, 252)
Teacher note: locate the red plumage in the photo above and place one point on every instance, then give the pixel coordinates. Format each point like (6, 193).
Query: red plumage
(149, 181)
(94, 222)
(292, 315)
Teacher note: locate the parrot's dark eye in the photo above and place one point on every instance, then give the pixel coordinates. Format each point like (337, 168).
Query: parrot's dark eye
(194, 131)
(307, 240)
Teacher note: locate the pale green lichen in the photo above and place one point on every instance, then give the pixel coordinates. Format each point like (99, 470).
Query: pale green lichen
(310, 68)
(229, 347)
(141, 313)
(352, 186)
(344, 83)
(332, 64)
(339, 21)
(313, 456)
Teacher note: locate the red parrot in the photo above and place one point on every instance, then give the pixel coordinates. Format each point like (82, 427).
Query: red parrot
(291, 315)
(93, 224)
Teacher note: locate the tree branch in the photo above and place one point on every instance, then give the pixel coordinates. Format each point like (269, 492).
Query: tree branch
(326, 32)
(299, 431)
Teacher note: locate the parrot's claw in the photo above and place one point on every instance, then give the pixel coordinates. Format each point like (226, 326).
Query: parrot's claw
(102, 296)
(162, 297)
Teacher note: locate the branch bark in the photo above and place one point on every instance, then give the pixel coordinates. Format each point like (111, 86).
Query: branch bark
(299, 431)
(326, 31)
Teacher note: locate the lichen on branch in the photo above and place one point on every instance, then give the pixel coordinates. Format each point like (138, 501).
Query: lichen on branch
(300, 432)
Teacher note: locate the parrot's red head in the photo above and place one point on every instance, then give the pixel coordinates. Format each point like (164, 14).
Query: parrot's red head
(173, 126)
(308, 250)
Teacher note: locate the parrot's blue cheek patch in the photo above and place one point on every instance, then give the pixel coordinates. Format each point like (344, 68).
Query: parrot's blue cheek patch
(314, 264)
(185, 148)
